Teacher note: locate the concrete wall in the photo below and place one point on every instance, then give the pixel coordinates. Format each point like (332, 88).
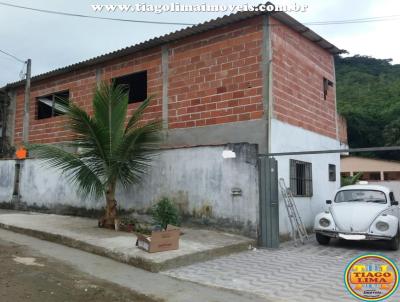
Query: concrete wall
(197, 178)
(7, 172)
(288, 138)
(393, 185)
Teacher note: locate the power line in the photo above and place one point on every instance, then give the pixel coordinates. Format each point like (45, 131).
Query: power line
(12, 56)
(332, 22)
(92, 17)
(361, 20)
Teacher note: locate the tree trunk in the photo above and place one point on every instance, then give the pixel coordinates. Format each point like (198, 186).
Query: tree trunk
(110, 216)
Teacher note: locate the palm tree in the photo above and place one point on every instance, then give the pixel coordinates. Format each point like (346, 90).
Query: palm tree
(111, 148)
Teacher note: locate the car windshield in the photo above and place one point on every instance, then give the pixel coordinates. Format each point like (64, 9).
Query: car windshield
(360, 196)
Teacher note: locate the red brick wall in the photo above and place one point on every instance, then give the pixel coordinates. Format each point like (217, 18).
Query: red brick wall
(299, 67)
(81, 85)
(215, 77)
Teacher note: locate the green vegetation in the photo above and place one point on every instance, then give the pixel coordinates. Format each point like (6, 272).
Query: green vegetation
(165, 212)
(350, 180)
(368, 93)
(111, 149)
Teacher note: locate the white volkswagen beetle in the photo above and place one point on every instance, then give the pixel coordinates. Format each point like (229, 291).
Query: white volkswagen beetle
(360, 212)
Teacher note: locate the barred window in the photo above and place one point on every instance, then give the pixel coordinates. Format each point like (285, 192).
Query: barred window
(301, 178)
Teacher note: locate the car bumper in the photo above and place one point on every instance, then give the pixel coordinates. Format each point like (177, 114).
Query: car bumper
(353, 236)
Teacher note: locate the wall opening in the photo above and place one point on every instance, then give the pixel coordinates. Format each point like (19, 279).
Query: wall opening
(17, 179)
(135, 84)
(50, 105)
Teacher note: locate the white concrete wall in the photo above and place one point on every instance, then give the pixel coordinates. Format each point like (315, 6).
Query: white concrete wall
(288, 138)
(391, 184)
(7, 172)
(194, 177)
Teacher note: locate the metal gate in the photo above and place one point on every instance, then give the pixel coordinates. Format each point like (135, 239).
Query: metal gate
(269, 202)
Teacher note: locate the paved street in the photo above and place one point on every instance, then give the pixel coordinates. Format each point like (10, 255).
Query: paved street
(306, 273)
(26, 276)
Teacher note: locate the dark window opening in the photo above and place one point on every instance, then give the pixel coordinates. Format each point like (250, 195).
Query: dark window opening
(16, 179)
(332, 172)
(301, 178)
(135, 84)
(50, 105)
(326, 84)
(391, 175)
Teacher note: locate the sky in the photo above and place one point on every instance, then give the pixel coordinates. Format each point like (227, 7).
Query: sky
(54, 41)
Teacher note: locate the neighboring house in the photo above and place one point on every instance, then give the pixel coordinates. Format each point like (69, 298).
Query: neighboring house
(255, 82)
(384, 172)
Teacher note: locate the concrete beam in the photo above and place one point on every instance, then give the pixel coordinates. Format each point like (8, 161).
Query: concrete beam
(99, 73)
(252, 132)
(165, 69)
(11, 116)
(266, 68)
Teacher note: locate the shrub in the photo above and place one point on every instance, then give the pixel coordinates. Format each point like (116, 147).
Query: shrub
(350, 180)
(165, 212)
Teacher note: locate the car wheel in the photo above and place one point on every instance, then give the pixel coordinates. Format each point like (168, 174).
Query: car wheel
(322, 239)
(394, 243)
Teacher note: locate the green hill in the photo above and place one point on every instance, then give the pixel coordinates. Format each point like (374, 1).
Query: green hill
(368, 94)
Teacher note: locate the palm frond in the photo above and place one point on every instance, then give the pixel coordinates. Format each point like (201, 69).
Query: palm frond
(110, 104)
(90, 135)
(136, 152)
(137, 115)
(107, 151)
(86, 175)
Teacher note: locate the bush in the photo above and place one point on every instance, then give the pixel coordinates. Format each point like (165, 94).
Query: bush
(351, 180)
(165, 212)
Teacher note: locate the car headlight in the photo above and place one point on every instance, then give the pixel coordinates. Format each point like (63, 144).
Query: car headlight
(382, 226)
(324, 222)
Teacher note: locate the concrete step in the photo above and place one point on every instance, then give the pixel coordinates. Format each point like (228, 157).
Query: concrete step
(82, 233)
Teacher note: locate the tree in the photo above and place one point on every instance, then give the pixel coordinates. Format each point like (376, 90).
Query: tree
(111, 148)
(368, 94)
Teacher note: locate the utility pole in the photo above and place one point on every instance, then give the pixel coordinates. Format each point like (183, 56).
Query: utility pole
(25, 125)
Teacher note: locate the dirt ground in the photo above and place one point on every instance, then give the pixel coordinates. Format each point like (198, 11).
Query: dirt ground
(26, 276)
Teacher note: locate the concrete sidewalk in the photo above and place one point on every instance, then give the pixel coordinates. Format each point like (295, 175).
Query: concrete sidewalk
(154, 286)
(83, 233)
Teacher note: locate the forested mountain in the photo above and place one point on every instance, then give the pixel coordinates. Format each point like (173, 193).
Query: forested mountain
(368, 94)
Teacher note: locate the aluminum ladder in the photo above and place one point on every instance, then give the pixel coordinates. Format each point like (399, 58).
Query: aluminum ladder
(298, 228)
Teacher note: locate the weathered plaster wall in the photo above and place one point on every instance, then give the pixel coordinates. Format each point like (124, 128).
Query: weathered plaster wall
(394, 185)
(7, 172)
(288, 138)
(198, 179)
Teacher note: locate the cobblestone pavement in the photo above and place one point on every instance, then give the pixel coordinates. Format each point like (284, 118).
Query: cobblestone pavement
(309, 272)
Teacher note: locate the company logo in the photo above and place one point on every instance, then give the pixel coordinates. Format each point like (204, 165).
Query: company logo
(371, 277)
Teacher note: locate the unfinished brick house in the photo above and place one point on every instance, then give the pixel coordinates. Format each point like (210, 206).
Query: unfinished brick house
(253, 81)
